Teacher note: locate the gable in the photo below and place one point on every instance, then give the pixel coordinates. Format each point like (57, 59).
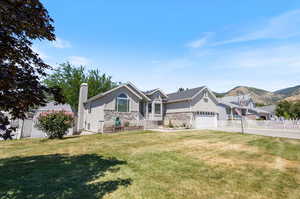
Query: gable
(157, 95)
(204, 103)
(128, 86)
(108, 101)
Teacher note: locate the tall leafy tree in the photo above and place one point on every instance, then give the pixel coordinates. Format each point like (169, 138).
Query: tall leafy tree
(69, 78)
(288, 110)
(21, 22)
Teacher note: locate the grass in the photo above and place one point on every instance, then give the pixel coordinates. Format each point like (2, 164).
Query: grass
(145, 164)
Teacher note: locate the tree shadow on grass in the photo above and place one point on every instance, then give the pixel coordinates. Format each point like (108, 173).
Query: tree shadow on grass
(58, 176)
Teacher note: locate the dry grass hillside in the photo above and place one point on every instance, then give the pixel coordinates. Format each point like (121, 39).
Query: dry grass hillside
(265, 97)
(258, 95)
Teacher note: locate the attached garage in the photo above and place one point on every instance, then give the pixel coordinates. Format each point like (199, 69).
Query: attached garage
(203, 120)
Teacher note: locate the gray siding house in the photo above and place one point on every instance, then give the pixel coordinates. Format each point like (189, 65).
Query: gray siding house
(230, 106)
(196, 107)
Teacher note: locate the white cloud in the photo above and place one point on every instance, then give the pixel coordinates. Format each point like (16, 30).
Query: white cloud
(40, 52)
(283, 26)
(78, 60)
(60, 43)
(200, 42)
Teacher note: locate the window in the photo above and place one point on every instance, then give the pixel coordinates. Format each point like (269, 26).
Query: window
(122, 103)
(157, 108)
(149, 108)
(205, 94)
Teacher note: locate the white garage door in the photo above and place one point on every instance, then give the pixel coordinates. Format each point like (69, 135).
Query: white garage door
(204, 120)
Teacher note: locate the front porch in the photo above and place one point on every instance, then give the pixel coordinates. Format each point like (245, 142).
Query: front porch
(152, 110)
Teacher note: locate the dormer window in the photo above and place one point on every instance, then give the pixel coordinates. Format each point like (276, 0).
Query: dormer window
(122, 103)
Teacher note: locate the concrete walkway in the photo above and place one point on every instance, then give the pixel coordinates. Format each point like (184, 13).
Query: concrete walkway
(284, 133)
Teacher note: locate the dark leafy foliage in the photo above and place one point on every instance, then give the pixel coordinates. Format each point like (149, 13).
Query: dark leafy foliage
(288, 110)
(22, 21)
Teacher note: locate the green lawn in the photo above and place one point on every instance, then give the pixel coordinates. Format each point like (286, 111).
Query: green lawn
(192, 164)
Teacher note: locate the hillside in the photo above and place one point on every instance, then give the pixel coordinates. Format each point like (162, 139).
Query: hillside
(265, 97)
(290, 94)
(258, 95)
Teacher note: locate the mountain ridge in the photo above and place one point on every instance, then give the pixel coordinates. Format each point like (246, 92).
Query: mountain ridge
(264, 97)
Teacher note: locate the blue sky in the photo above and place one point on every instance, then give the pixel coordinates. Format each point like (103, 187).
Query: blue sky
(171, 44)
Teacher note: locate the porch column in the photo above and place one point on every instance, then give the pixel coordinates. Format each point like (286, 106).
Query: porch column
(231, 113)
(146, 114)
(153, 110)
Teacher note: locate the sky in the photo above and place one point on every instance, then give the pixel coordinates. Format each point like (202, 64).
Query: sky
(173, 43)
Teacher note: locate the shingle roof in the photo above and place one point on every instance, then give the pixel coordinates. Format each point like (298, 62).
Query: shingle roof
(189, 93)
(54, 106)
(150, 91)
(269, 108)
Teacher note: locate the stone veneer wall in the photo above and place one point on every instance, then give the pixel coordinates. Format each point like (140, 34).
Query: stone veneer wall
(178, 119)
(110, 115)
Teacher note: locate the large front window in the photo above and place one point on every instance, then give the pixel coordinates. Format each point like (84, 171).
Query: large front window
(122, 103)
(157, 108)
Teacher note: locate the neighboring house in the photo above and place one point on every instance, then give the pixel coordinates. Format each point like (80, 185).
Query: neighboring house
(196, 107)
(27, 126)
(230, 106)
(271, 110)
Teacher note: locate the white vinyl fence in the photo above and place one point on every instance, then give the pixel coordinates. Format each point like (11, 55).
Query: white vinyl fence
(265, 124)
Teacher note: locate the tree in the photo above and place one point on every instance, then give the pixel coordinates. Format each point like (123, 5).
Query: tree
(69, 78)
(288, 110)
(180, 89)
(21, 68)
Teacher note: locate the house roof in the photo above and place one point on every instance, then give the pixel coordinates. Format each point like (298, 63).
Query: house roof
(53, 106)
(150, 92)
(186, 94)
(128, 85)
(269, 108)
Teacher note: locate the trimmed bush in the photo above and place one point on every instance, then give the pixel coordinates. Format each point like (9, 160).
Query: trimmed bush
(127, 124)
(55, 123)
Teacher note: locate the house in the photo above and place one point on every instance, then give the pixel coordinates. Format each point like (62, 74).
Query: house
(231, 106)
(197, 107)
(271, 110)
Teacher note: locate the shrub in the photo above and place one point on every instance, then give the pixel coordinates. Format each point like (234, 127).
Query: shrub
(55, 123)
(126, 124)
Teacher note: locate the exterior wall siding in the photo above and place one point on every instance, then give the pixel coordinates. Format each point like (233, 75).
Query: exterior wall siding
(199, 104)
(183, 106)
(222, 112)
